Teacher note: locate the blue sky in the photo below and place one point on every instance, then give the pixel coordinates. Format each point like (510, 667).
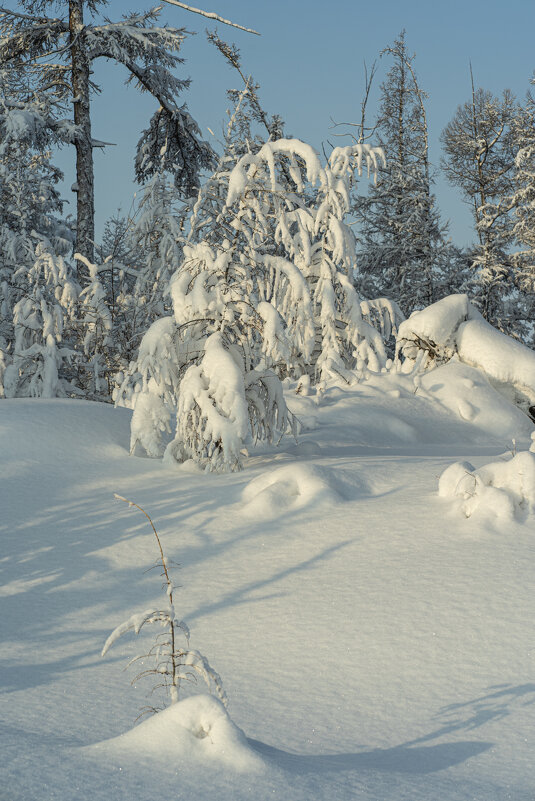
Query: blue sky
(309, 62)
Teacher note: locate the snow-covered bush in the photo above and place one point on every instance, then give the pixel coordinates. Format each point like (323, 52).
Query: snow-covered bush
(502, 489)
(453, 328)
(40, 364)
(172, 663)
(263, 291)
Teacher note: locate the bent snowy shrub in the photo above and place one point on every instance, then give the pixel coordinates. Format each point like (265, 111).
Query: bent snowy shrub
(171, 662)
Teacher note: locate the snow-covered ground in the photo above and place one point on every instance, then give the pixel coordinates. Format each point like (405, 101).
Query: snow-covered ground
(374, 642)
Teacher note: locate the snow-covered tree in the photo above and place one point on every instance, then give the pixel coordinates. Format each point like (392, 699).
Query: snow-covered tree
(248, 125)
(41, 358)
(30, 204)
(263, 291)
(480, 158)
(402, 239)
(523, 203)
(155, 237)
(61, 51)
(170, 661)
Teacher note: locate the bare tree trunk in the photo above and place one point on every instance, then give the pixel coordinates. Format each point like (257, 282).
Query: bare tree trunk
(85, 204)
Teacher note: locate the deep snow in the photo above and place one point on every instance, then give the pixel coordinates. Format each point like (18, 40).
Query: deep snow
(374, 643)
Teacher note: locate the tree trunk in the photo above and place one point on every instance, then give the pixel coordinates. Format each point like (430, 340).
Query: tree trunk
(85, 205)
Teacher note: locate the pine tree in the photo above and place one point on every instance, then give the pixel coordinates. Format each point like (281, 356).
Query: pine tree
(480, 157)
(402, 239)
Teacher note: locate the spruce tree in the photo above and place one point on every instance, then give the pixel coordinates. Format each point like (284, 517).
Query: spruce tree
(402, 239)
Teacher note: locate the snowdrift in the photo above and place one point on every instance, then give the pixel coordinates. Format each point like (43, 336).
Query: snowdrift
(196, 730)
(371, 645)
(503, 489)
(453, 327)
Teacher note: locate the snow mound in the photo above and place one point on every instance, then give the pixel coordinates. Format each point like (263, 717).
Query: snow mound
(467, 393)
(289, 488)
(434, 328)
(452, 327)
(504, 489)
(197, 729)
(507, 363)
(305, 410)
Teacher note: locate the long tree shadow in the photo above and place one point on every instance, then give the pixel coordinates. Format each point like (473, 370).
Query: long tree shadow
(413, 757)
(492, 706)
(400, 759)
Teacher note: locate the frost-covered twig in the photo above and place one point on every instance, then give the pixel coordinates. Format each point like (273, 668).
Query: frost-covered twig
(172, 663)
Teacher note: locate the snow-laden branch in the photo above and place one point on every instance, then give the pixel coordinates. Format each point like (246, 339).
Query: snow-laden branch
(211, 15)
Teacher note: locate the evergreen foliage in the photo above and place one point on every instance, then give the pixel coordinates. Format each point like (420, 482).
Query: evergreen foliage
(402, 251)
(480, 150)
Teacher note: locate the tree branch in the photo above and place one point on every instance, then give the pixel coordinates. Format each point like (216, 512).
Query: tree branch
(211, 15)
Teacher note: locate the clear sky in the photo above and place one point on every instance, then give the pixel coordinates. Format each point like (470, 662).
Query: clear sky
(309, 63)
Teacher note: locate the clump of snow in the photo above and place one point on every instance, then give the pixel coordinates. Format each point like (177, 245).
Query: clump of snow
(453, 327)
(502, 489)
(433, 329)
(504, 360)
(197, 729)
(288, 488)
(212, 413)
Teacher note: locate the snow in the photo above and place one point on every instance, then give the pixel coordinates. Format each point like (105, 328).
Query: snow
(374, 642)
(505, 488)
(452, 327)
(504, 360)
(197, 729)
(439, 322)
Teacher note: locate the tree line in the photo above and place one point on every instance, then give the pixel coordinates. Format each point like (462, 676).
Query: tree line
(260, 256)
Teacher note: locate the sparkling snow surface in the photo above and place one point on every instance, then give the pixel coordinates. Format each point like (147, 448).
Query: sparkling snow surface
(374, 643)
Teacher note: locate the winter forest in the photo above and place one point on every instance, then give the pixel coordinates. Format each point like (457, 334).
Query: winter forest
(279, 371)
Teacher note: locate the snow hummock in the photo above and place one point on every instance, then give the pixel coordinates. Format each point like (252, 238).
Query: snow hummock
(504, 489)
(197, 730)
(468, 394)
(291, 487)
(506, 362)
(453, 328)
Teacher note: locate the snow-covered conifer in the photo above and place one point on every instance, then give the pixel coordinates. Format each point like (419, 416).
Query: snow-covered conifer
(30, 204)
(523, 203)
(155, 238)
(264, 289)
(148, 51)
(402, 248)
(41, 358)
(480, 158)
